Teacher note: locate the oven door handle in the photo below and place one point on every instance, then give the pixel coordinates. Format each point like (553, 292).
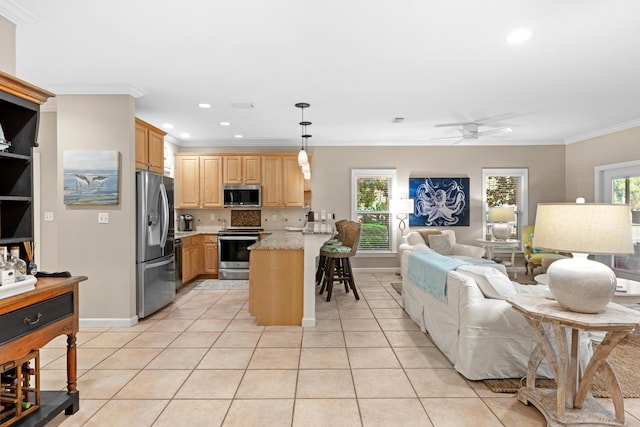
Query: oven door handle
(238, 238)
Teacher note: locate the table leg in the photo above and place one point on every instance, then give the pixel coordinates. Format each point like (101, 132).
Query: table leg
(72, 385)
(599, 362)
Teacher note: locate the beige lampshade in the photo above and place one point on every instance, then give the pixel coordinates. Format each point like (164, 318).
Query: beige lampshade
(401, 206)
(501, 214)
(589, 228)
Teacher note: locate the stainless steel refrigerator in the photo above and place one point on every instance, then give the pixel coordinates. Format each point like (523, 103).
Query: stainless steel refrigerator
(155, 257)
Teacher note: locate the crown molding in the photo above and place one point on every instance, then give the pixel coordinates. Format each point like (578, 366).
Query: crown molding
(603, 131)
(104, 89)
(17, 13)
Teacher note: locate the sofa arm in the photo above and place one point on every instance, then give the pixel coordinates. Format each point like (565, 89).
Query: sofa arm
(468, 250)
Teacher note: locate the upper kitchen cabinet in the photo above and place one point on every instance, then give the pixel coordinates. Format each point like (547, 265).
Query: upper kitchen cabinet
(242, 169)
(198, 182)
(282, 181)
(149, 147)
(19, 115)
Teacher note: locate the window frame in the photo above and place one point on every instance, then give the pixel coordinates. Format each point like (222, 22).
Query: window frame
(603, 177)
(392, 174)
(523, 197)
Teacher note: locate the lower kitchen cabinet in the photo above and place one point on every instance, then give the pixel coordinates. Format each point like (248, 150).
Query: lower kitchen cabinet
(210, 252)
(199, 256)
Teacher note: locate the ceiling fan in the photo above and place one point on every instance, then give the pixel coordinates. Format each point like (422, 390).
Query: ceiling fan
(471, 130)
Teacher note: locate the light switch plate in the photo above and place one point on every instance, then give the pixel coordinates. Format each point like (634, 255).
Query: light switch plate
(103, 217)
(48, 216)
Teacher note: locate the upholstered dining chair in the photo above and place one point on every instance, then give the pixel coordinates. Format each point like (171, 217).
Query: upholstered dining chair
(533, 257)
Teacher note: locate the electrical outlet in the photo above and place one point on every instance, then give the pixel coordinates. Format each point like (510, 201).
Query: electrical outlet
(212, 217)
(103, 217)
(48, 216)
(274, 217)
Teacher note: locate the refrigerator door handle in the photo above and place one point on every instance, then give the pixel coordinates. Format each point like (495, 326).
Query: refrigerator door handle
(165, 216)
(157, 264)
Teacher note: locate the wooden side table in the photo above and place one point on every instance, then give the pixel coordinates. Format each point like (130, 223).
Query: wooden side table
(490, 245)
(571, 403)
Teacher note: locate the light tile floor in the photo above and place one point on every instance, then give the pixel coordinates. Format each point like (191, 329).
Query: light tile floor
(203, 361)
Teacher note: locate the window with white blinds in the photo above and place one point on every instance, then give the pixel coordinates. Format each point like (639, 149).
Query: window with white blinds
(371, 192)
(506, 187)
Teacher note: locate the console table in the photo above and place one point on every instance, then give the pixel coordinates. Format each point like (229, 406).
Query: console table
(29, 321)
(571, 403)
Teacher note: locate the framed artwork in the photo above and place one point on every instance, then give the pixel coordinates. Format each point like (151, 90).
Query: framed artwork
(439, 202)
(91, 177)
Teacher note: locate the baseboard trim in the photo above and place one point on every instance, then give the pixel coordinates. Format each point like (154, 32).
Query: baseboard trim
(108, 322)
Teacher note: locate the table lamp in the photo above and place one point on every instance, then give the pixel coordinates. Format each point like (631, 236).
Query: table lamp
(501, 216)
(402, 208)
(580, 284)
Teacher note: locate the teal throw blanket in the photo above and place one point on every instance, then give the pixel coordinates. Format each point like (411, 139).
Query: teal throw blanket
(429, 270)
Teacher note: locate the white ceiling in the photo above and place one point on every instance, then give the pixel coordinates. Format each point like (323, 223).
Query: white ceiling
(359, 63)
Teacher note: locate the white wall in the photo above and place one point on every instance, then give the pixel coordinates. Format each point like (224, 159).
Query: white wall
(584, 156)
(103, 252)
(7, 46)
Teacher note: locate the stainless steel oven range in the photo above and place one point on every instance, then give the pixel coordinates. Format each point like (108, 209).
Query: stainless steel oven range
(233, 255)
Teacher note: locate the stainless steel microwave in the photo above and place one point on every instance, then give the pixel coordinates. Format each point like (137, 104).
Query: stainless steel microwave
(243, 196)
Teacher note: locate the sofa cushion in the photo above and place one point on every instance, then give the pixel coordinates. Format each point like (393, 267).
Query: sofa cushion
(426, 233)
(441, 243)
(415, 238)
(491, 282)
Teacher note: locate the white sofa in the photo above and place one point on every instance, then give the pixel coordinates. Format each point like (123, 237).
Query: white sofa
(482, 337)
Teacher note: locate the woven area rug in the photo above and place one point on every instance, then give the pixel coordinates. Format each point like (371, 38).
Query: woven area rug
(216, 284)
(623, 359)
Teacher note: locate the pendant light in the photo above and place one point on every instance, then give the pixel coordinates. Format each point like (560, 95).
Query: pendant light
(303, 158)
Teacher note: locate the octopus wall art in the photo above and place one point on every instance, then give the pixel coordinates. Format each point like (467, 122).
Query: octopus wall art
(439, 202)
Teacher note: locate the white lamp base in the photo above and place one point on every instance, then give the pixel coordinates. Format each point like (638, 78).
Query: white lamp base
(501, 231)
(580, 284)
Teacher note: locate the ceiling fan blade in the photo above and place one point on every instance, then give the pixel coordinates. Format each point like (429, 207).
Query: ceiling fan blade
(460, 140)
(442, 125)
(495, 132)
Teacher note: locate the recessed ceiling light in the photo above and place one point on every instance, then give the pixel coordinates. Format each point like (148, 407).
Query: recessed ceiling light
(185, 135)
(238, 136)
(167, 125)
(225, 123)
(204, 105)
(519, 35)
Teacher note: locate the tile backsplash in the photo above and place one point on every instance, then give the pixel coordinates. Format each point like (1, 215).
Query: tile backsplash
(270, 218)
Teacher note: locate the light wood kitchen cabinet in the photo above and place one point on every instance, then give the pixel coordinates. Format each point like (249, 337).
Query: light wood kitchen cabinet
(187, 272)
(198, 182)
(149, 147)
(197, 258)
(210, 253)
(293, 182)
(282, 181)
(271, 181)
(242, 169)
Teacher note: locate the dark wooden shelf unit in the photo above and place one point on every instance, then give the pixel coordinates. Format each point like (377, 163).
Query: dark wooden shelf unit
(19, 117)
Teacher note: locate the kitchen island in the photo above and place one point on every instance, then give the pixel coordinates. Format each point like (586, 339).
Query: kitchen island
(276, 279)
(282, 272)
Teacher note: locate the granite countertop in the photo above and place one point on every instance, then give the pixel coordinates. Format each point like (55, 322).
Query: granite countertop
(319, 228)
(283, 240)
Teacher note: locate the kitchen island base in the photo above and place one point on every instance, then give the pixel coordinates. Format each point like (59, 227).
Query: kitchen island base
(276, 286)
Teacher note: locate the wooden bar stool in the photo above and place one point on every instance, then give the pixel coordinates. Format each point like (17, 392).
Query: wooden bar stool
(322, 260)
(338, 263)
